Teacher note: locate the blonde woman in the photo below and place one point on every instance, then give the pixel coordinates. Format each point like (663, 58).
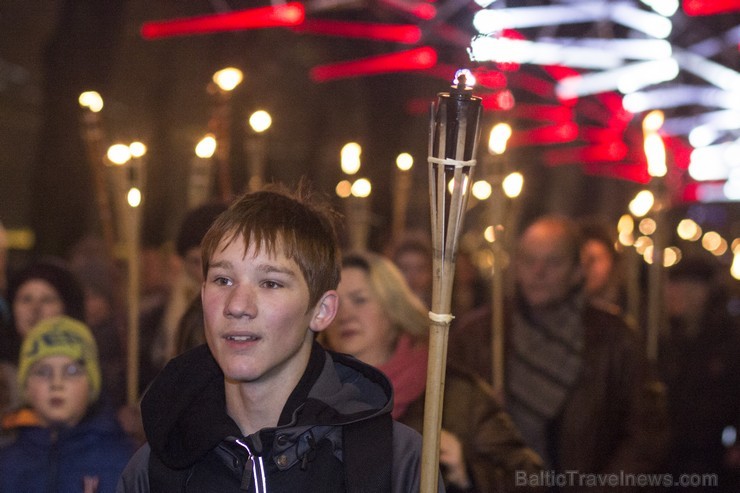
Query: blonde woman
(381, 322)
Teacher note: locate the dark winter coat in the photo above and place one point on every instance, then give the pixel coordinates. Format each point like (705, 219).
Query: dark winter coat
(41, 460)
(195, 446)
(614, 418)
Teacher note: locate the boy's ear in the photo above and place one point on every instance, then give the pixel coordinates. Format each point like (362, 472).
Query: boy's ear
(325, 311)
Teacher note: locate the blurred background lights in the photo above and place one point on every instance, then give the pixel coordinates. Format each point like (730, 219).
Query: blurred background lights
(361, 187)
(350, 158)
(404, 161)
(228, 78)
(688, 230)
(498, 138)
(642, 243)
(626, 224)
(260, 121)
(134, 197)
(671, 256)
(206, 147)
(735, 268)
(91, 100)
(647, 226)
(711, 240)
(119, 154)
(513, 184)
(137, 149)
(642, 203)
(481, 190)
(344, 189)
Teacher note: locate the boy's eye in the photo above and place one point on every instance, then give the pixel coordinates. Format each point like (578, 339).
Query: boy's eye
(74, 370)
(45, 372)
(271, 284)
(221, 281)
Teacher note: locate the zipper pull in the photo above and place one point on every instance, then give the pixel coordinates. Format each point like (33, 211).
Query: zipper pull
(248, 467)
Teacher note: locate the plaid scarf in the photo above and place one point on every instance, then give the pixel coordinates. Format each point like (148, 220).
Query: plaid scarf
(544, 363)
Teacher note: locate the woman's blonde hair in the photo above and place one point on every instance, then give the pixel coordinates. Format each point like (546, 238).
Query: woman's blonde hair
(405, 310)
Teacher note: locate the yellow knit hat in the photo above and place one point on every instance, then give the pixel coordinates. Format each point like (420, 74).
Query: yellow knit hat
(61, 336)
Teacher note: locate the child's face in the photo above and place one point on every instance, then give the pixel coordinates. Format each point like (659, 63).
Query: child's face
(257, 316)
(58, 389)
(35, 301)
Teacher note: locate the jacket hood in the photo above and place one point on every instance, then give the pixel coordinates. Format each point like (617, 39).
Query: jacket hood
(184, 409)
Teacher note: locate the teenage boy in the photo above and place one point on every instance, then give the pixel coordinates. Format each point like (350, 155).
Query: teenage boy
(262, 407)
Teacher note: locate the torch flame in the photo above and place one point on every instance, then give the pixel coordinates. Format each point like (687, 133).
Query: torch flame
(467, 78)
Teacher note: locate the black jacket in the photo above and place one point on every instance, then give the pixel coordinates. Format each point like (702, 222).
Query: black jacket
(193, 445)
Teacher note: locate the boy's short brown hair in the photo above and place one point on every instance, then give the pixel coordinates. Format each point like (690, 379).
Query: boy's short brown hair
(274, 217)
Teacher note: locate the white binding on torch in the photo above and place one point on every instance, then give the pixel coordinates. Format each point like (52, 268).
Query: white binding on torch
(452, 162)
(441, 318)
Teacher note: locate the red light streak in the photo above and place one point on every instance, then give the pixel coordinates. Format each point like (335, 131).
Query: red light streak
(500, 101)
(491, 79)
(709, 7)
(290, 14)
(556, 113)
(636, 172)
(559, 72)
(417, 59)
(550, 134)
(408, 34)
(530, 83)
(421, 10)
(614, 151)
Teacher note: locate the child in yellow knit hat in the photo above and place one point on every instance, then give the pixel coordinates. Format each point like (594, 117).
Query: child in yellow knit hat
(58, 371)
(69, 443)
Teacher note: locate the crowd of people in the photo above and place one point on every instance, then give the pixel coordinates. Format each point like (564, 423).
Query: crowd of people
(272, 360)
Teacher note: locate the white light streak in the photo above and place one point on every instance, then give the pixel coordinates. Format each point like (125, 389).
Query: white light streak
(626, 78)
(713, 163)
(505, 50)
(489, 21)
(714, 73)
(665, 8)
(720, 120)
(633, 49)
(680, 95)
(654, 25)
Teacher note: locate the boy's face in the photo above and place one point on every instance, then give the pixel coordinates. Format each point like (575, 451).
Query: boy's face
(58, 389)
(257, 316)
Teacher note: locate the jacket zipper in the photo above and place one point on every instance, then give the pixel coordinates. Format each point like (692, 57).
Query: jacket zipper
(254, 468)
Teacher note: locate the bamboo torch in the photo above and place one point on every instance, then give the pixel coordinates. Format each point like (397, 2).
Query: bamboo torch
(498, 138)
(200, 179)
(129, 181)
(92, 133)
(134, 198)
(402, 187)
(453, 141)
(657, 169)
(224, 83)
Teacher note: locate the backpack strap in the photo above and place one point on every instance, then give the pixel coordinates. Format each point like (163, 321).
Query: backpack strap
(368, 454)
